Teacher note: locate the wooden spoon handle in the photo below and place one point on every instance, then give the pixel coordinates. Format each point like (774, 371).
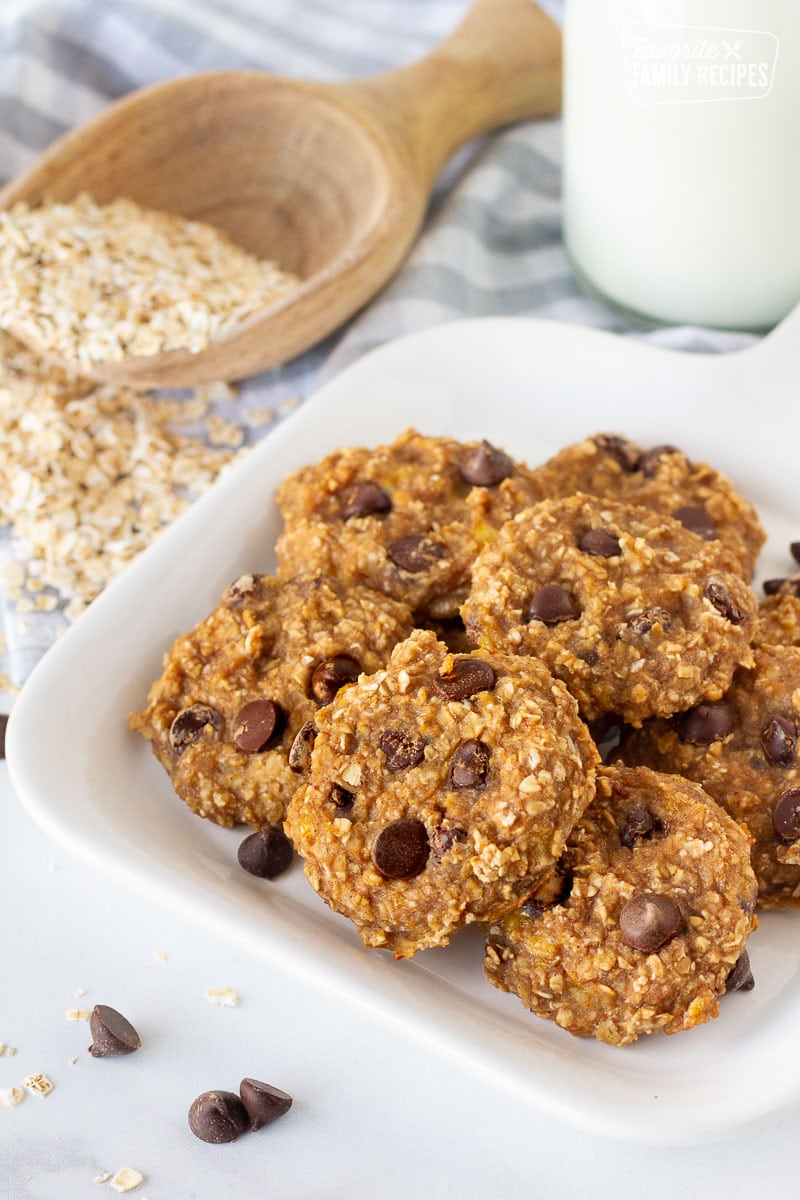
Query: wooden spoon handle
(501, 64)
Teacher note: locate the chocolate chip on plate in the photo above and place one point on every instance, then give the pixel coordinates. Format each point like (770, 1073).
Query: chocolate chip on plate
(365, 498)
(705, 724)
(400, 851)
(300, 749)
(470, 765)
(794, 547)
(218, 1117)
(648, 921)
(723, 603)
(600, 543)
(695, 518)
(740, 978)
(551, 604)
(332, 674)
(189, 724)
(779, 741)
(485, 466)
(623, 451)
(414, 553)
(638, 825)
(402, 749)
(263, 1102)
(256, 724)
(651, 459)
(266, 853)
(465, 678)
(786, 815)
(113, 1034)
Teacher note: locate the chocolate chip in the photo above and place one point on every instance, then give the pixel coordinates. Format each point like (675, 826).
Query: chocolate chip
(113, 1034)
(740, 978)
(263, 1102)
(470, 765)
(256, 725)
(551, 604)
(465, 677)
(402, 750)
(642, 622)
(265, 854)
(790, 586)
(218, 1117)
(638, 825)
(779, 740)
(245, 590)
(651, 459)
(332, 674)
(705, 724)
(648, 921)
(400, 851)
(794, 547)
(364, 499)
(414, 553)
(723, 603)
(553, 890)
(445, 836)
(341, 799)
(189, 725)
(485, 466)
(626, 453)
(695, 518)
(786, 815)
(300, 749)
(600, 543)
(3, 726)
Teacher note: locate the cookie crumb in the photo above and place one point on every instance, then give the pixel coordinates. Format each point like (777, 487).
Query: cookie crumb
(289, 404)
(161, 956)
(80, 992)
(39, 1084)
(10, 1051)
(104, 1178)
(72, 1061)
(125, 1179)
(11, 1097)
(77, 1014)
(226, 996)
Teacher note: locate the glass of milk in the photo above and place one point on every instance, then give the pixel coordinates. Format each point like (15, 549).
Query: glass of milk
(682, 156)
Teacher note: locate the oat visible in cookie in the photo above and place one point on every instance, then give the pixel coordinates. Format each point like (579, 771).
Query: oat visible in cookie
(651, 929)
(440, 790)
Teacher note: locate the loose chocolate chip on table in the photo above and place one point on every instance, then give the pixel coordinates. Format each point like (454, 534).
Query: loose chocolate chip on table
(696, 520)
(256, 724)
(400, 851)
(365, 498)
(263, 1102)
(332, 674)
(741, 977)
(3, 725)
(551, 604)
(414, 553)
(485, 466)
(470, 765)
(723, 603)
(266, 853)
(300, 750)
(445, 836)
(648, 921)
(786, 815)
(189, 724)
(638, 825)
(794, 547)
(113, 1034)
(779, 741)
(642, 622)
(341, 799)
(649, 462)
(626, 453)
(705, 724)
(466, 677)
(600, 543)
(218, 1117)
(402, 750)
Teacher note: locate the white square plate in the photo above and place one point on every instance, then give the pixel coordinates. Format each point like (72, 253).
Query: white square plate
(531, 387)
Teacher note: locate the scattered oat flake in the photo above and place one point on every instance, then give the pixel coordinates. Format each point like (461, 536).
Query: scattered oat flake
(226, 996)
(224, 433)
(102, 1178)
(79, 992)
(10, 1051)
(259, 416)
(290, 403)
(39, 1084)
(125, 1179)
(72, 1061)
(161, 955)
(11, 1097)
(78, 1014)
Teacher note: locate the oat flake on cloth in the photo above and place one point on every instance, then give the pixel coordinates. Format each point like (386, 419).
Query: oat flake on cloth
(491, 243)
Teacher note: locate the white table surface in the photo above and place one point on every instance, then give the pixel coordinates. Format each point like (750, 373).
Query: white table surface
(375, 1116)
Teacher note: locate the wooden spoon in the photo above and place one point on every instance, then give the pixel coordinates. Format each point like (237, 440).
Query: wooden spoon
(329, 180)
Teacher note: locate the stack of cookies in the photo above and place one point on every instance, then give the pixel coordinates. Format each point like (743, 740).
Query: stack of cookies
(420, 695)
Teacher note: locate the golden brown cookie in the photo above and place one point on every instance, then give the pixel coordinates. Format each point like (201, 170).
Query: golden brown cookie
(649, 923)
(440, 789)
(636, 615)
(237, 689)
(406, 519)
(779, 615)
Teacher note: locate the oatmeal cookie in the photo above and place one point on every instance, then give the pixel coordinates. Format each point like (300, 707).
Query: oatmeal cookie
(637, 615)
(440, 789)
(743, 751)
(236, 690)
(406, 519)
(779, 615)
(648, 925)
(702, 499)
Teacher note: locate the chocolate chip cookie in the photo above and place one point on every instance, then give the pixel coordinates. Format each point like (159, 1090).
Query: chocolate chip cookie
(744, 752)
(702, 499)
(779, 620)
(439, 790)
(406, 519)
(648, 924)
(636, 615)
(236, 692)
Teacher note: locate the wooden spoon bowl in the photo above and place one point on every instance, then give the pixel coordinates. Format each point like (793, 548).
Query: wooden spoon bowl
(331, 181)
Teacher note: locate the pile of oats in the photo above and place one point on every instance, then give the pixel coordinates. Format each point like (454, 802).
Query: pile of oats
(94, 283)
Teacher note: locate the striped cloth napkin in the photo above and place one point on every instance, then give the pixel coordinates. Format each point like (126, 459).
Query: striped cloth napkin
(491, 243)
